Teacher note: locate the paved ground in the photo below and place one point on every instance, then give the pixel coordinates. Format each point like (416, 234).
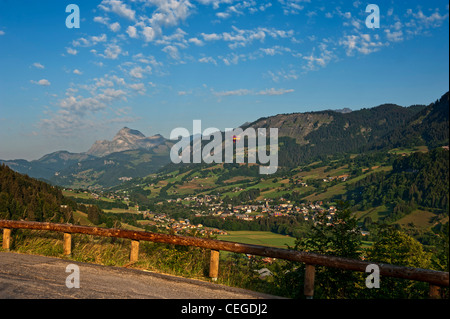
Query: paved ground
(27, 276)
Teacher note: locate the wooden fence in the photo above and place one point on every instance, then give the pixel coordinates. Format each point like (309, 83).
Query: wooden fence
(436, 279)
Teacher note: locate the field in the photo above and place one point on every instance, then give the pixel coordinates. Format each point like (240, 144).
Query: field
(420, 218)
(259, 238)
(83, 195)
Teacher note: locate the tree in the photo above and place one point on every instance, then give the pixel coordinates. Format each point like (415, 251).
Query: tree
(395, 247)
(94, 214)
(339, 237)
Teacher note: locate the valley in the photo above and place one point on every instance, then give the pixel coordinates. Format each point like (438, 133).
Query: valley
(326, 158)
(348, 179)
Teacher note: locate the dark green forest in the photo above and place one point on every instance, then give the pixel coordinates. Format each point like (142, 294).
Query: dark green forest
(22, 197)
(381, 128)
(418, 180)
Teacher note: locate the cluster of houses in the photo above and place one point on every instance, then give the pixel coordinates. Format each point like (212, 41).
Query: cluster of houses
(213, 205)
(179, 226)
(98, 195)
(254, 212)
(342, 178)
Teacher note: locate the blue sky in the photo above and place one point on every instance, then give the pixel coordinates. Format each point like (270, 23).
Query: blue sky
(154, 65)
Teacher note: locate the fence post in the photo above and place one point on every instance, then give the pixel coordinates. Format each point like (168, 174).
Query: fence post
(214, 265)
(6, 239)
(434, 292)
(67, 244)
(310, 271)
(134, 255)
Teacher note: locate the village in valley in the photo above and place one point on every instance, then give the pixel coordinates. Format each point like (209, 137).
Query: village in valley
(213, 205)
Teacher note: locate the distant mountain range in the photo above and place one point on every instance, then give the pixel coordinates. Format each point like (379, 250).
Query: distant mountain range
(130, 154)
(302, 137)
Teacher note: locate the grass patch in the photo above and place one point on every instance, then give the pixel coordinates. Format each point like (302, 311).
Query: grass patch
(262, 238)
(420, 218)
(374, 213)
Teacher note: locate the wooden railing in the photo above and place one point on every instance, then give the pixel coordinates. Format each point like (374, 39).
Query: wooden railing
(436, 279)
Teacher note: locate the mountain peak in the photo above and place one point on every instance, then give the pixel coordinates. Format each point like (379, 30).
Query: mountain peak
(126, 139)
(127, 131)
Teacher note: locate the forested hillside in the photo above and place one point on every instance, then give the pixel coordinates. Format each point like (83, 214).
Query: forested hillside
(417, 180)
(22, 197)
(342, 133)
(428, 127)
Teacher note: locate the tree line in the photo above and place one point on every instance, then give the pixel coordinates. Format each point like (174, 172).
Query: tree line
(420, 179)
(22, 197)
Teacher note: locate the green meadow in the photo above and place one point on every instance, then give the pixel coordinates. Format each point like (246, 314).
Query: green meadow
(262, 238)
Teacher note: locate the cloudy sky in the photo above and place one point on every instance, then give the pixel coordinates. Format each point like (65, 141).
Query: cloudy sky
(155, 65)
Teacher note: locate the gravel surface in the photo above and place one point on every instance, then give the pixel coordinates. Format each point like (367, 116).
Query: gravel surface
(37, 277)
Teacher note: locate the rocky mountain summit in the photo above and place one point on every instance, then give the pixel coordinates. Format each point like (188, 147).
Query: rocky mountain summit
(126, 139)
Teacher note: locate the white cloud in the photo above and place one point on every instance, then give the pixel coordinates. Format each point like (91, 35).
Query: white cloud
(242, 37)
(361, 43)
(146, 59)
(81, 106)
(90, 105)
(42, 82)
(115, 27)
(418, 23)
(149, 34)
(118, 8)
(243, 92)
(215, 3)
(292, 6)
(177, 38)
(139, 87)
(37, 65)
(168, 13)
(196, 41)
(77, 72)
(138, 72)
(102, 20)
(112, 51)
(273, 91)
(315, 60)
(90, 41)
(207, 60)
(232, 59)
(239, 92)
(211, 37)
(395, 36)
(242, 8)
(2, 32)
(275, 50)
(223, 15)
(71, 51)
(433, 20)
(132, 32)
(172, 51)
(283, 75)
